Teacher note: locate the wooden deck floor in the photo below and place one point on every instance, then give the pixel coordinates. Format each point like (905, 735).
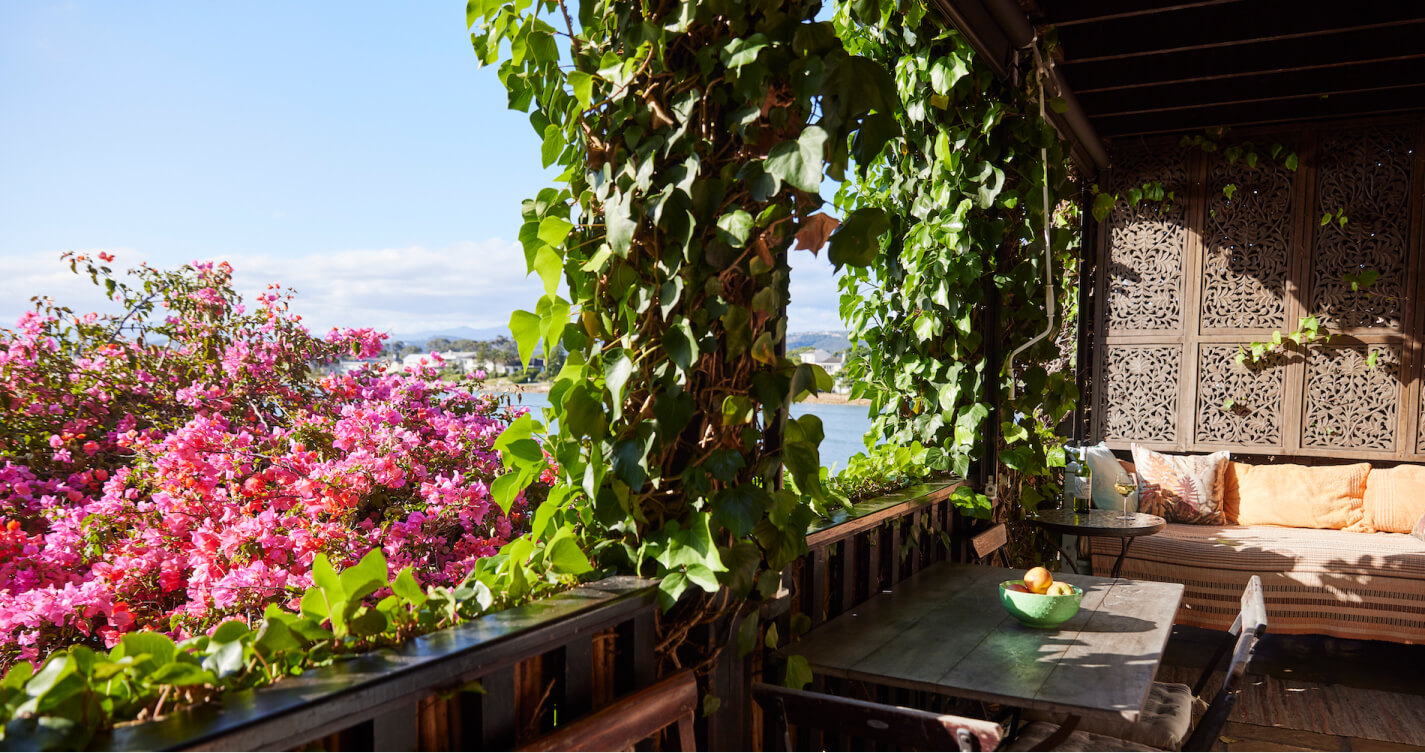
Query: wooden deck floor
(1315, 693)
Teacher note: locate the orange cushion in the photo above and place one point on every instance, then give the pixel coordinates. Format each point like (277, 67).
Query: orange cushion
(1395, 498)
(1232, 489)
(1301, 496)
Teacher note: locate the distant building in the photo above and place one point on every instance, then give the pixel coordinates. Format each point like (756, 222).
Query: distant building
(464, 360)
(831, 364)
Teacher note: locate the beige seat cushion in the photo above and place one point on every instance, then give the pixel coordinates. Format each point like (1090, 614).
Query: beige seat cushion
(1164, 724)
(1347, 585)
(1031, 735)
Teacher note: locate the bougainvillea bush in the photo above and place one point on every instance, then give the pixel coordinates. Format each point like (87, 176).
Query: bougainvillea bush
(181, 462)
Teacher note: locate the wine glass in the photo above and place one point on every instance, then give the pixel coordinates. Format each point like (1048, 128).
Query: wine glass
(1125, 484)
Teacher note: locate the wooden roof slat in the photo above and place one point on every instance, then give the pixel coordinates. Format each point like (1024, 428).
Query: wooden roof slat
(1265, 57)
(1094, 11)
(1357, 103)
(1205, 27)
(1368, 75)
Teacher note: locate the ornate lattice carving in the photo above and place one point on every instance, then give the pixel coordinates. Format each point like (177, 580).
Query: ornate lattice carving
(1140, 392)
(1145, 256)
(1349, 404)
(1420, 428)
(1236, 403)
(1248, 240)
(1366, 173)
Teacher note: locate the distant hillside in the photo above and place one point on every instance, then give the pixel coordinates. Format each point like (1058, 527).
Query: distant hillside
(830, 341)
(450, 333)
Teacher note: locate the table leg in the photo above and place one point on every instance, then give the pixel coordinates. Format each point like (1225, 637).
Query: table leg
(1123, 552)
(1059, 735)
(1069, 558)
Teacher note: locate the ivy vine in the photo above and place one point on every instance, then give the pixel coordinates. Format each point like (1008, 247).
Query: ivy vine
(962, 190)
(693, 140)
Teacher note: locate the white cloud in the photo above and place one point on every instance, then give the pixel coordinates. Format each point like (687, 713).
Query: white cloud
(815, 299)
(395, 289)
(23, 276)
(402, 290)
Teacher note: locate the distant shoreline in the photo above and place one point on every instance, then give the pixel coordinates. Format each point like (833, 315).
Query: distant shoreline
(825, 398)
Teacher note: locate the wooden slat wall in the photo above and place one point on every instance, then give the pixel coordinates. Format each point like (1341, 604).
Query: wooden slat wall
(1161, 380)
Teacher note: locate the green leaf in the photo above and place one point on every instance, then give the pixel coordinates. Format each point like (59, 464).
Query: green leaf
(583, 85)
(1102, 206)
(798, 673)
(175, 673)
(553, 230)
(618, 224)
(772, 639)
(670, 588)
(406, 587)
(230, 631)
(617, 369)
(857, 241)
(566, 557)
(157, 645)
(227, 659)
(583, 413)
(737, 409)
(799, 162)
(550, 268)
(367, 576)
(552, 145)
(526, 329)
(764, 349)
(734, 228)
(739, 508)
(740, 52)
(370, 622)
(505, 489)
(680, 345)
(924, 327)
(629, 463)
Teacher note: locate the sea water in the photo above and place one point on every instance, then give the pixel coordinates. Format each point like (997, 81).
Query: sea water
(844, 425)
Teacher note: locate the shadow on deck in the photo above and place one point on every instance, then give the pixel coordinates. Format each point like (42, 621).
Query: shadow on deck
(1315, 693)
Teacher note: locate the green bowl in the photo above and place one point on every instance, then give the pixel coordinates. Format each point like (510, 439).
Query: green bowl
(1040, 610)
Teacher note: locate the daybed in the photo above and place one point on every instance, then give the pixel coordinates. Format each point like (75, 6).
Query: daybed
(1328, 581)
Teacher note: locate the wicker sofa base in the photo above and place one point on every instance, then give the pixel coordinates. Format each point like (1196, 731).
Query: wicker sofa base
(1368, 586)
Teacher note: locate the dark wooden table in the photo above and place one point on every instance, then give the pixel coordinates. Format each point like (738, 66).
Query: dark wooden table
(1105, 523)
(944, 630)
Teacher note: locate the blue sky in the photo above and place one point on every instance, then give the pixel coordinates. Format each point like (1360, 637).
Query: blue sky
(353, 151)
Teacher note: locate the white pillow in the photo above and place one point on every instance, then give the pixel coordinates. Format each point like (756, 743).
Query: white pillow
(1105, 469)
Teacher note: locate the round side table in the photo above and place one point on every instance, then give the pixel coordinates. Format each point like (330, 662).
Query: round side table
(1105, 523)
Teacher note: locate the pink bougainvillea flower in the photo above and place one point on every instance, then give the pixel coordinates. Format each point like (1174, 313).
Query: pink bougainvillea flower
(177, 468)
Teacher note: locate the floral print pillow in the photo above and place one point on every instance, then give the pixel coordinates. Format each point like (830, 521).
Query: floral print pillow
(1181, 488)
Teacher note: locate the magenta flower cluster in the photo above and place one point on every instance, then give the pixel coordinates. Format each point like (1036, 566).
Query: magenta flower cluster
(182, 462)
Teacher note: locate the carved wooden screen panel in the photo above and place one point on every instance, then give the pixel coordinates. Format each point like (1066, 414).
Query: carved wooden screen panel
(1185, 289)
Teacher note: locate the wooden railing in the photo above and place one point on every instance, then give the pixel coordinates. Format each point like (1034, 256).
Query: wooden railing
(564, 655)
(502, 680)
(852, 558)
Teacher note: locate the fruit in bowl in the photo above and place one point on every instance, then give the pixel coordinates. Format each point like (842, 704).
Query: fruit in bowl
(1038, 601)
